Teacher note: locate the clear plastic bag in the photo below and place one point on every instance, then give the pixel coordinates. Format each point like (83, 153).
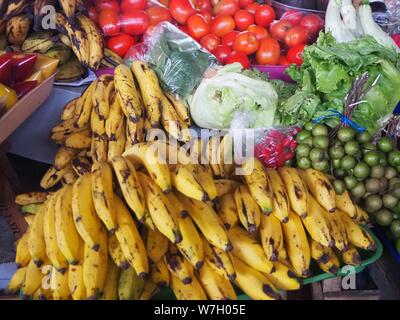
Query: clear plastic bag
(178, 60)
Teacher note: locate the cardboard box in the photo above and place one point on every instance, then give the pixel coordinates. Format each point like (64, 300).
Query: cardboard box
(14, 117)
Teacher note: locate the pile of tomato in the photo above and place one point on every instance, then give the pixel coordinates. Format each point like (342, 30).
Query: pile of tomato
(242, 31)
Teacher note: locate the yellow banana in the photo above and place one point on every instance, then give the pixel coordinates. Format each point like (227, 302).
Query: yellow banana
(345, 204)
(178, 265)
(247, 208)
(181, 108)
(75, 281)
(332, 265)
(59, 285)
(297, 245)
(337, 230)
(130, 285)
(258, 183)
(356, 235)
(17, 29)
(95, 39)
(81, 165)
(84, 106)
(36, 242)
(225, 186)
(351, 256)
(101, 96)
(213, 156)
(51, 177)
(110, 289)
(172, 123)
(42, 294)
(226, 155)
(320, 187)
(248, 250)
(362, 216)
(185, 179)
(283, 278)
(99, 149)
(16, 281)
(79, 140)
(63, 157)
(206, 181)
(319, 252)
(156, 245)
(147, 154)
(253, 283)
(33, 280)
(22, 255)
(69, 176)
(295, 189)
(116, 253)
(227, 211)
(69, 7)
(24, 199)
(272, 238)
(68, 239)
(216, 287)
(129, 239)
(114, 121)
(149, 290)
(159, 273)
(280, 201)
(68, 110)
(134, 132)
(191, 291)
(117, 147)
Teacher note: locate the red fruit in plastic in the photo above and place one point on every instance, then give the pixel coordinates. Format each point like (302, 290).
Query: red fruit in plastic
(22, 88)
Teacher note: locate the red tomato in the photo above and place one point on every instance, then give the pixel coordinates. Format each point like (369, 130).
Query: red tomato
(121, 43)
(184, 29)
(229, 38)
(293, 16)
(283, 61)
(110, 4)
(252, 7)
(295, 36)
(226, 8)
(210, 42)
(181, 10)
(260, 32)
(278, 29)
(268, 51)
(222, 53)
(108, 22)
(295, 54)
(243, 20)
(198, 26)
(206, 14)
(221, 25)
(92, 13)
(158, 14)
(134, 22)
(312, 23)
(246, 42)
(264, 16)
(203, 5)
(129, 5)
(238, 57)
(244, 3)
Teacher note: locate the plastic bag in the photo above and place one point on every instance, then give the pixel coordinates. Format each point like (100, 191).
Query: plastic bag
(393, 7)
(178, 60)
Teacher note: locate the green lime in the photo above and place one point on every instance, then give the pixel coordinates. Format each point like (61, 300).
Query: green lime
(308, 141)
(321, 165)
(398, 169)
(321, 142)
(339, 186)
(347, 162)
(336, 152)
(363, 137)
(339, 173)
(383, 217)
(395, 228)
(385, 145)
(302, 135)
(345, 134)
(369, 146)
(337, 143)
(350, 182)
(361, 170)
(304, 163)
(373, 203)
(309, 126)
(359, 190)
(302, 150)
(398, 245)
(383, 160)
(351, 148)
(371, 158)
(317, 154)
(319, 130)
(394, 158)
(336, 163)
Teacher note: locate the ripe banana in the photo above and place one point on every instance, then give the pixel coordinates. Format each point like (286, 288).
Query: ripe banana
(76, 283)
(68, 239)
(227, 211)
(280, 201)
(15, 7)
(87, 223)
(208, 222)
(185, 179)
(130, 285)
(59, 285)
(362, 217)
(356, 235)
(351, 256)
(117, 147)
(79, 140)
(337, 230)
(60, 52)
(68, 110)
(283, 278)
(159, 273)
(116, 253)
(218, 260)
(248, 250)
(171, 122)
(127, 93)
(83, 111)
(130, 186)
(71, 70)
(33, 280)
(129, 239)
(110, 288)
(332, 265)
(146, 154)
(115, 120)
(319, 252)
(272, 238)
(69, 176)
(31, 197)
(150, 90)
(156, 245)
(253, 283)
(30, 210)
(178, 265)
(22, 255)
(69, 7)
(297, 245)
(258, 183)
(191, 291)
(345, 204)
(103, 195)
(247, 208)
(181, 108)
(295, 189)
(206, 180)
(52, 177)
(225, 186)
(320, 187)
(216, 287)
(63, 157)
(95, 266)
(102, 95)
(110, 59)
(16, 281)
(81, 166)
(317, 224)
(36, 242)
(226, 155)
(149, 290)
(39, 42)
(158, 205)
(54, 254)
(18, 28)
(95, 39)
(212, 155)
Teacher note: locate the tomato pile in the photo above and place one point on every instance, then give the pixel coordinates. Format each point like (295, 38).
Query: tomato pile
(233, 30)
